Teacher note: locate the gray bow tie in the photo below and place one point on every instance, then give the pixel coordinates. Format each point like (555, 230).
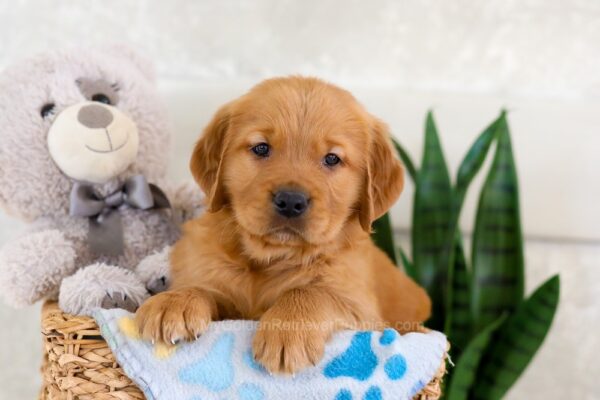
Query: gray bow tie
(105, 234)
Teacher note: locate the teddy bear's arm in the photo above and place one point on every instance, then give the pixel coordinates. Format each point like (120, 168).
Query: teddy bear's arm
(33, 266)
(101, 285)
(154, 272)
(188, 201)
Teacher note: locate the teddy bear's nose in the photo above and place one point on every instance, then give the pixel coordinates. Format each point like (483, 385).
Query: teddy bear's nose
(95, 116)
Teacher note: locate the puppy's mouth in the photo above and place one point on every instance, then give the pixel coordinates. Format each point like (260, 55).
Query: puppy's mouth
(285, 234)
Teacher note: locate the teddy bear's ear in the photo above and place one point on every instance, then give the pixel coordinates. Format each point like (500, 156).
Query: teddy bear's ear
(143, 64)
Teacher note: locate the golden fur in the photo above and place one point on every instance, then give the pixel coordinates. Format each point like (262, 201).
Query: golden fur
(306, 277)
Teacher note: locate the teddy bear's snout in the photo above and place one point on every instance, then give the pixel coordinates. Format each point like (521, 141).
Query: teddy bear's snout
(93, 142)
(95, 116)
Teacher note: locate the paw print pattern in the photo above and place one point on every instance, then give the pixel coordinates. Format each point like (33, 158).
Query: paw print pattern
(395, 367)
(417, 388)
(220, 365)
(374, 393)
(388, 336)
(215, 371)
(359, 362)
(250, 391)
(343, 394)
(251, 362)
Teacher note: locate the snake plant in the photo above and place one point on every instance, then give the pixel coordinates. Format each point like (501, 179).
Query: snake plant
(478, 302)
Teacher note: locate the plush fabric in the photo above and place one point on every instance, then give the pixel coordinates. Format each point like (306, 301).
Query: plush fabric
(220, 365)
(81, 128)
(127, 290)
(52, 78)
(48, 248)
(154, 269)
(42, 262)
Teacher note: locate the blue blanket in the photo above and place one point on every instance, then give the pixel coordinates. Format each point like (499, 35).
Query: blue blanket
(219, 365)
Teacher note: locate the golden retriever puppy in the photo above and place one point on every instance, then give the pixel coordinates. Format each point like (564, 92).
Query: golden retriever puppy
(295, 172)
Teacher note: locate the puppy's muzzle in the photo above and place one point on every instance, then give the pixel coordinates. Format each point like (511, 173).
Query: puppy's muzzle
(290, 204)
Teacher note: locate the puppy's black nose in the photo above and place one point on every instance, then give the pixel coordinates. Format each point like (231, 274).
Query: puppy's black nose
(290, 204)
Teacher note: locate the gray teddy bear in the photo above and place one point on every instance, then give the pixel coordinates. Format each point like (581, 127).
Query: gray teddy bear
(84, 147)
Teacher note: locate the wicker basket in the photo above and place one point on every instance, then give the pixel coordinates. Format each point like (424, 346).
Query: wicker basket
(78, 365)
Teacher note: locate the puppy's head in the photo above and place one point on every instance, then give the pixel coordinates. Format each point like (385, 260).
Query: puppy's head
(296, 159)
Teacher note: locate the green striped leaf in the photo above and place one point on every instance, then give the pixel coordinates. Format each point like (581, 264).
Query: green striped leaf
(516, 342)
(383, 236)
(406, 160)
(463, 374)
(431, 217)
(409, 267)
(473, 161)
(458, 320)
(498, 278)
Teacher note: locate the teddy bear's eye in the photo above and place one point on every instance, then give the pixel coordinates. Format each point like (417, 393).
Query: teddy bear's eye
(47, 110)
(101, 98)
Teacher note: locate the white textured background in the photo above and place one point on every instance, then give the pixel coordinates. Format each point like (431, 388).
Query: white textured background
(466, 59)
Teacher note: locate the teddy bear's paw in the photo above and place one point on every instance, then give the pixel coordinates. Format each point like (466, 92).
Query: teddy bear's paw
(158, 285)
(119, 300)
(101, 286)
(153, 271)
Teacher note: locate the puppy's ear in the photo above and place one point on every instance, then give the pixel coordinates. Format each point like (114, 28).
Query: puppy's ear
(206, 163)
(384, 177)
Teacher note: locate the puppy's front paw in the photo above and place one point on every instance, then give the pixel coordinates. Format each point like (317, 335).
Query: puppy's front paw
(287, 348)
(176, 315)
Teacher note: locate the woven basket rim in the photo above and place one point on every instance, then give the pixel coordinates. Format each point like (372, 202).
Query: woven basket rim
(78, 363)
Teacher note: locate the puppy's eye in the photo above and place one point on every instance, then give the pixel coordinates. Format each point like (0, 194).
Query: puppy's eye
(261, 150)
(47, 110)
(101, 98)
(331, 160)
